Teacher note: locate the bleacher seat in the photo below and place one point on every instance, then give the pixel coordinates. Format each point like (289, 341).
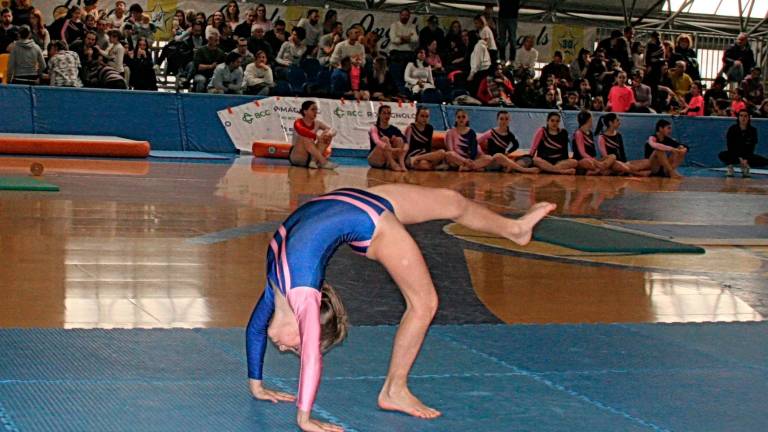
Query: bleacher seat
(432, 95)
(282, 88)
(312, 68)
(297, 79)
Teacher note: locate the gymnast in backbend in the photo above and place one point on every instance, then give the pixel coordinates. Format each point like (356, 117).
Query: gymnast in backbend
(299, 312)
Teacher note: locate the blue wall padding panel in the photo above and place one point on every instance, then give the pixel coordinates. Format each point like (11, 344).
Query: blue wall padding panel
(188, 122)
(16, 109)
(203, 128)
(150, 116)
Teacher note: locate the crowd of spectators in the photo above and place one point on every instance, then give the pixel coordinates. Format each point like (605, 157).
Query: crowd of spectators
(246, 52)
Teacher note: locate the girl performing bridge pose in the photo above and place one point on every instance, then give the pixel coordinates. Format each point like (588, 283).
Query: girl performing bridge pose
(299, 312)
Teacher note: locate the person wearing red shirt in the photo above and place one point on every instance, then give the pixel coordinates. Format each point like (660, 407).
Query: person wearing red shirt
(621, 98)
(696, 105)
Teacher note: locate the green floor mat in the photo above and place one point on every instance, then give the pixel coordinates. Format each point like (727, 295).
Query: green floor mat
(26, 184)
(595, 238)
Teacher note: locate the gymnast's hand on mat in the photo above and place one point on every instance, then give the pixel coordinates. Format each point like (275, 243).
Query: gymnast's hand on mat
(261, 393)
(308, 424)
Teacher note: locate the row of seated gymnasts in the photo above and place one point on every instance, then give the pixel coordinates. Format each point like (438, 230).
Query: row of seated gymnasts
(495, 149)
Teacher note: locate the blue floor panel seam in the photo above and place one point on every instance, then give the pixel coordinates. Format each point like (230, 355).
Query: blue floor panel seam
(7, 421)
(538, 378)
(326, 415)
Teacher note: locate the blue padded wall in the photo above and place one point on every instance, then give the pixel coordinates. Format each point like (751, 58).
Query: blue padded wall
(201, 124)
(16, 109)
(150, 116)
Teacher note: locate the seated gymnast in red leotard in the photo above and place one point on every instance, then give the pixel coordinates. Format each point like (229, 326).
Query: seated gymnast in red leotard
(311, 138)
(301, 313)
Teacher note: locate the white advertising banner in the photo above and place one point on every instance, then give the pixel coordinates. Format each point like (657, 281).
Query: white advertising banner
(548, 37)
(272, 119)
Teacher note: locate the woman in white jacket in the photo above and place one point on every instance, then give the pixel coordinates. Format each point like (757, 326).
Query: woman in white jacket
(418, 74)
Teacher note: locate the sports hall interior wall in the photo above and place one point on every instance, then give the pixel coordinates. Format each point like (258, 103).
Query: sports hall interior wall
(188, 122)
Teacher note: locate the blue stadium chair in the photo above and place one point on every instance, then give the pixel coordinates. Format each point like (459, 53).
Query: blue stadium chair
(312, 68)
(297, 78)
(432, 96)
(398, 75)
(282, 88)
(442, 82)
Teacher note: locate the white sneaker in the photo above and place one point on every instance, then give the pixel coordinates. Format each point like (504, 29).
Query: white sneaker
(729, 171)
(329, 165)
(312, 164)
(745, 172)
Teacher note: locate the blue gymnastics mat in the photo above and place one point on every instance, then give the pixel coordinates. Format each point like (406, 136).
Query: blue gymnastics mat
(692, 377)
(168, 154)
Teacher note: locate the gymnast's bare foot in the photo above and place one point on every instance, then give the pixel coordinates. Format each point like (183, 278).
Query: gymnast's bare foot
(404, 401)
(521, 229)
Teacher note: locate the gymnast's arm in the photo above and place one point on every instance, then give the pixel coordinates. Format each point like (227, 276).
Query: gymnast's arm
(256, 345)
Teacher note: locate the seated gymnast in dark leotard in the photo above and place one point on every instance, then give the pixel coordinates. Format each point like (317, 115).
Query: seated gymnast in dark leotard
(418, 136)
(388, 146)
(464, 152)
(664, 153)
(585, 151)
(611, 143)
(299, 312)
(549, 148)
(500, 143)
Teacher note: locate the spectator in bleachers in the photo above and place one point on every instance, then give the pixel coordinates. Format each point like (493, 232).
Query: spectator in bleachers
(453, 35)
(257, 43)
(762, 112)
(457, 57)
(549, 99)
(245, 28)
(695, 106)
(526, 94)
(25, 63)
(433, 58)
(258, 76)
(741, 141)
(549, 148)
(90, 24)
(621, 49)
(525, 59)
(754, 91)
(341, 81)
(485, 33)
(264, 22)
(580, 64)
(135, 15)
(180, 21)
(139, 61)
(227, 77)
(381, 85)
(654, 59)
(329, 21)
(571, 102)
(227, 41)
(89, 59)
(585, 94)
(738, 59)
(479, 65)
(432, 32)
(716, 98)
(246, 57)
(91, 7)
(620, 98)
(291, 52)
(371, 44)
(63, 66)
(558, 69)
(232, 14)
(216, 23)
(418, 74)
(643, 94)
(277, 36)
(684, 52)
(597, 71)
(22, 10)
(638, 56)
(313, 30)
(118, 15)
(403, 38)
(551, 84)
(351, 47)
(509, 11)
(102, 36)
(39, 33)
(206, 59)
(598, 104)
(200, 17)
(328, 43)
(496, 89)
(73, 28)
(737, 104)
(115, 52)
(681, 81)
(490, 20)
(388, 146)
(129, 36)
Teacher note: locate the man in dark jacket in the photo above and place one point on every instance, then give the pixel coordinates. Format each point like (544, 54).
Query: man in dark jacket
(8, 32)
(738, 60)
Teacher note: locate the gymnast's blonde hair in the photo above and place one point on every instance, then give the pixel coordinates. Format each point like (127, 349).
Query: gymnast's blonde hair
(334, 323)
